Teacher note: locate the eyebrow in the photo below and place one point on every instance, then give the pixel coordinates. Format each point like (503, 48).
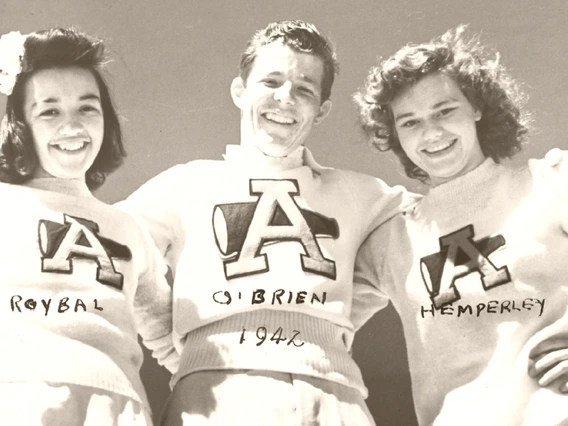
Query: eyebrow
(435, 106)
(85, 97)
(304, 77)
(90, 97)
(403, 116)
(309, 79)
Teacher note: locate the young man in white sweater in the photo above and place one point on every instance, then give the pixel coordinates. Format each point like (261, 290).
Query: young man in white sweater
(262, 247)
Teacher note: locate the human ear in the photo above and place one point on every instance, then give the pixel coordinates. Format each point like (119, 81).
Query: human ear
(477, 114)
(324, 110)
(237, 90)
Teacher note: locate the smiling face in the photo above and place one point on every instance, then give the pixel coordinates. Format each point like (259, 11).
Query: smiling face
(62, 109)
(436, 126)
(280, 101)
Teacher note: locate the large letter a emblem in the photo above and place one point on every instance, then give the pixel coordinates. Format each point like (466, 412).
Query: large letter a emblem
(461, 255)
(60, 243)
(242, 229)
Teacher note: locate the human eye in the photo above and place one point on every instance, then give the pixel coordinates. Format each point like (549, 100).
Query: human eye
(408, 124)
(48, 113)
(446, 111)
(88, 108)
(270, 82)
(306, 90)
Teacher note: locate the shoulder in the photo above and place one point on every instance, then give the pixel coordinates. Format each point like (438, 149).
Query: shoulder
(14, 197)
(188, 170)
(346, 177)
(178, 177)
(556, 159)
(358, 181)
(368, 187)
(552, 169)
(7, 189)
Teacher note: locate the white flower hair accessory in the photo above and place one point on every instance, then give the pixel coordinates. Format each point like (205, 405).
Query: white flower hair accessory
(11, 57)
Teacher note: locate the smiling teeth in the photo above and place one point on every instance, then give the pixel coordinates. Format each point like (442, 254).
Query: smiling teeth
(279, 119)
(438, 147)
(71, 146)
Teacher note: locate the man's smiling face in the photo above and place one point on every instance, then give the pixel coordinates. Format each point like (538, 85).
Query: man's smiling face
(281, 99)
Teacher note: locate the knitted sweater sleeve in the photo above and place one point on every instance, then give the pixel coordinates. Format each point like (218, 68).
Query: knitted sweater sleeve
(153, 307)
(368, 298)
(154, 203)
(377, 203)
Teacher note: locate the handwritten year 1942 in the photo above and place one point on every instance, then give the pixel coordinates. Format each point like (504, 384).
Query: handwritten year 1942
(262, 334)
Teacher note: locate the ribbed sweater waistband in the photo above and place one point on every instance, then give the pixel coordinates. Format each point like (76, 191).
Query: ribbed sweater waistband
(39, 355)
(254, 341)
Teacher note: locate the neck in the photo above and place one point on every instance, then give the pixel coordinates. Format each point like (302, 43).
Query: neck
(64, 186)
(251, 156)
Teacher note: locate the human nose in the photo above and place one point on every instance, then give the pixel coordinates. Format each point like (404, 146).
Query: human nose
(284, 93)
(432, 132)
(71, 127)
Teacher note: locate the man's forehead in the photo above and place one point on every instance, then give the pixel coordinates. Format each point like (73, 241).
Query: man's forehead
(279, 59)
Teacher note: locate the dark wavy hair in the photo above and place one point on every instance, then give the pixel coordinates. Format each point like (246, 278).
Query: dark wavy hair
(57, 48)
(484, 81)
(301, 36)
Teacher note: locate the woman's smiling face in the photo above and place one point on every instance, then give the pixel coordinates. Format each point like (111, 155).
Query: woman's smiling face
(436, 126)
(62, 108)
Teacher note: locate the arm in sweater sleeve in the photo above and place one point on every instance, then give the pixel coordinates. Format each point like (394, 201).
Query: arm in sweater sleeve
(154, 203)
(368, 298)
(549, 356)
(376, 201)
(153, 307)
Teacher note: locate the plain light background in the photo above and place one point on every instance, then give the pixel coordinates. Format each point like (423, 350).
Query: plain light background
(173, 62)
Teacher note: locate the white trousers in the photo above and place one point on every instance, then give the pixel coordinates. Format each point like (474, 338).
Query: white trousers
(61, 404)
(255, 398)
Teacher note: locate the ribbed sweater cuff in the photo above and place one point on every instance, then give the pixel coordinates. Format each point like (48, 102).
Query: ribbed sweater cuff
(318, 350)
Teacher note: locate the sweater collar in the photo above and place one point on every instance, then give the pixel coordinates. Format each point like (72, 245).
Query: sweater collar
(464, 192)
(252, 157)
(65, 186)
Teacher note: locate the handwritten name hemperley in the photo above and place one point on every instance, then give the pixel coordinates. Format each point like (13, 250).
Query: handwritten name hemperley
(492, 307)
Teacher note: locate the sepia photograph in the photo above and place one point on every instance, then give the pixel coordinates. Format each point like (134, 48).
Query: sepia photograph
(257, 213)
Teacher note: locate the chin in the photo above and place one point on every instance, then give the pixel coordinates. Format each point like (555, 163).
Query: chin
(68, 174)
(277, 154)
(274, 150)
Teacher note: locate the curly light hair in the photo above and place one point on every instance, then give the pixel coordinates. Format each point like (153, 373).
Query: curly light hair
(484, 81)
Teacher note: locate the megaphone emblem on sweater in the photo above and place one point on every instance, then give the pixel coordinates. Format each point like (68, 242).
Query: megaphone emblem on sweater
(459, 256)
(243, 229)
(61, 243)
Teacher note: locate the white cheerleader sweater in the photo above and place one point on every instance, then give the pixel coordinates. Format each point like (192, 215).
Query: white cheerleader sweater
(262, 251)
(478, 271)
(78, 280)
